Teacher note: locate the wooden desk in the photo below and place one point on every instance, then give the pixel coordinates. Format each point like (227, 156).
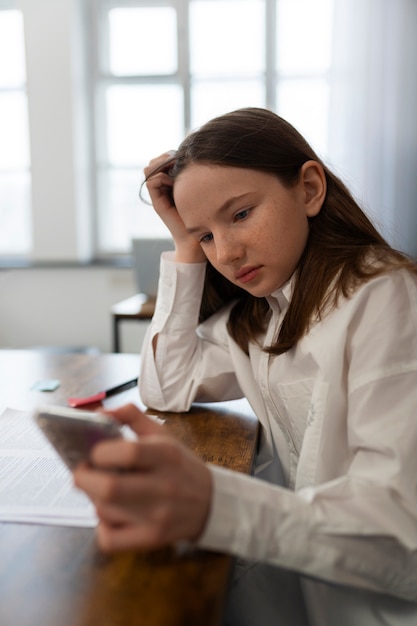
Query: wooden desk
(54, 576)
(137, 308)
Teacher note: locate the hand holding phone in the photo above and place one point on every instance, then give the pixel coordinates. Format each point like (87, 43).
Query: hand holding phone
(73, 432)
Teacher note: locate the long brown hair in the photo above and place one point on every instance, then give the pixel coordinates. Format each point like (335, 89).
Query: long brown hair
(341, 240)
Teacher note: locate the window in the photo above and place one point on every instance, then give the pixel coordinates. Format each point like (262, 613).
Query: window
(112, 83)
(15, 214)
(167, 66)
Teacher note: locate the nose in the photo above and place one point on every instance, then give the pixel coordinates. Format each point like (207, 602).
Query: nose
(228, 249)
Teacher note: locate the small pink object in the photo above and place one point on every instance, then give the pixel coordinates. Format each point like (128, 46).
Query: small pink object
(76, 402)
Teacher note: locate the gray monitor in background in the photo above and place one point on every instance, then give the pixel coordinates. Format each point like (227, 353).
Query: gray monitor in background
(146, 255)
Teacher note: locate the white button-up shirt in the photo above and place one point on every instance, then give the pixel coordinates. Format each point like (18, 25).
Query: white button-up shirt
(339, 431)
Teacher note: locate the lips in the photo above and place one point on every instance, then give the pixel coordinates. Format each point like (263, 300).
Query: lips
(247, 274)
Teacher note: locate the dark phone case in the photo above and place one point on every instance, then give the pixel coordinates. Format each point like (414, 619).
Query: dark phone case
(74, 437)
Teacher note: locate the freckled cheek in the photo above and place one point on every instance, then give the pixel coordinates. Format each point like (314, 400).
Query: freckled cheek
(265, 240)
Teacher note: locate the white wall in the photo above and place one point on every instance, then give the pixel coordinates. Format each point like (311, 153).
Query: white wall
(49, 304)
(65, 307)
(60, 142)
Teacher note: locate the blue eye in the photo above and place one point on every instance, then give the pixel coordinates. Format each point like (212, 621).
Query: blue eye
(206, 238)
(242, 215)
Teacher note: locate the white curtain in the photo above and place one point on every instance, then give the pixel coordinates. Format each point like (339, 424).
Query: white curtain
(373, 126)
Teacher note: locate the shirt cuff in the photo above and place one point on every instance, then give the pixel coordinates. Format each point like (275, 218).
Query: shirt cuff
(180, 290)
(225, 529)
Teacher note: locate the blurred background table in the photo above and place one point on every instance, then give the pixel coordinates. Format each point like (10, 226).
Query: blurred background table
(138, 308)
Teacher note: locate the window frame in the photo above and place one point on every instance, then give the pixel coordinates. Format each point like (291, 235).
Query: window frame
(21, 88)
(102, 78)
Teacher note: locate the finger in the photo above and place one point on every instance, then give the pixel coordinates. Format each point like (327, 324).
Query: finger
(161, 158)
(152, 453)
(112, 538)
(113, 514)
(81, 477)
(159, 181)
(138, 421)
(160, 163)
(121, 497)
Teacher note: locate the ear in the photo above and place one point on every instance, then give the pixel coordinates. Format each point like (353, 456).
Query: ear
(314, 186)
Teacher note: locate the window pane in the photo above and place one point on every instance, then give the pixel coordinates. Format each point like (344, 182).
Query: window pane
(304, 41)
(12, 61)
(15, 201)
(15, 216)
(227, 71)
(209, 99)
(305, 104)
(143, 121)
(227, 37)
(14, 134)
(143, 41)
(122, 214)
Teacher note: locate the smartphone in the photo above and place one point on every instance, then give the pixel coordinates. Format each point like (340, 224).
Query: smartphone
(73, 432)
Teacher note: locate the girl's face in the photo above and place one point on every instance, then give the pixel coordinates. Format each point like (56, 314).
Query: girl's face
(252, 229)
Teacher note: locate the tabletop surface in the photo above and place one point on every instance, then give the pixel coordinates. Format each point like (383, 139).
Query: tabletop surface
(56, 576)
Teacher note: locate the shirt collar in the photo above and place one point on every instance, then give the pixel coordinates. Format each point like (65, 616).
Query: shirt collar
(282, 297)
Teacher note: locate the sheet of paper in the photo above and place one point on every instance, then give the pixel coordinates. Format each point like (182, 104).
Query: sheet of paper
(35, 485)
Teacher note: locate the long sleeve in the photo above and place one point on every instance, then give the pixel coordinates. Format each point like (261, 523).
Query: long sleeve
(325, 533)
(191, 363)
(341, 408)
(352, 518)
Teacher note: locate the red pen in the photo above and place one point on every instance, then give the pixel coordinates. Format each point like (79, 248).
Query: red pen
(76, 402)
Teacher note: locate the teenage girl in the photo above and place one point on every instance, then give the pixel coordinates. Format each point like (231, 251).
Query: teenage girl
(281, 290)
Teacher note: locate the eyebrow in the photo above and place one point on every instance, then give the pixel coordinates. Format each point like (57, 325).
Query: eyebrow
(222, 209)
